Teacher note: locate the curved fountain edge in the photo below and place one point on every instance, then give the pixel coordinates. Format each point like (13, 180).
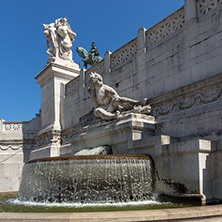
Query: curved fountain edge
(112, 156)
(204, 213)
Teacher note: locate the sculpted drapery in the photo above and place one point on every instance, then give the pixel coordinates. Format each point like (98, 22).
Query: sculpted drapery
(59, 39)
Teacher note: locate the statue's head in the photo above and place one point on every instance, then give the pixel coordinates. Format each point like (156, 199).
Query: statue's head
(93, 44)
(96, 78)
(78, 50)
(61, 21)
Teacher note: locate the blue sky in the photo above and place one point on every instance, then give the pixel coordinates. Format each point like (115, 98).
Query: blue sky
(110, 23)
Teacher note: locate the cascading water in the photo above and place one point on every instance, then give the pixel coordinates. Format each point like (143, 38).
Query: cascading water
(87, 179)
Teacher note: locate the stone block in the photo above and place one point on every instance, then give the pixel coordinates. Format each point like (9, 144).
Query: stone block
(185, 167)
(116, 134)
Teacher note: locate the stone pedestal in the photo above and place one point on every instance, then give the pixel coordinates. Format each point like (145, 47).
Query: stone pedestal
(119, 134)
(52, 80)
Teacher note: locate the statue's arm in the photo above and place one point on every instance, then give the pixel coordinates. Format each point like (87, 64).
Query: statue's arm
(47, 43)
(71, 32)
(110, 91)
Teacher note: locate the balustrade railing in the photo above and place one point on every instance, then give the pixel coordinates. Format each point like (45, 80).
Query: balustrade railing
(205, 6)
(99, 67)
(124, 53)
(72, 86)
(166, 27)
(15, 126)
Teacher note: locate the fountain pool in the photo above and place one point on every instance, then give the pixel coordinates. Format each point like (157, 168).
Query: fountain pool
(87, 179)
(86, 184)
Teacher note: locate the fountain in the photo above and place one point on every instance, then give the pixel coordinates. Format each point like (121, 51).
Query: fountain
(87, 179)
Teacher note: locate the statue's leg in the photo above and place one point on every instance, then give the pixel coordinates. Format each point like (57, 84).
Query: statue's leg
(113, 106)
(124, 102)
(103, 114)
(127, 103)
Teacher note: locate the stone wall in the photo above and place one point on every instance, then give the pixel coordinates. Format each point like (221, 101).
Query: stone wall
(17, 140)
(176, 64)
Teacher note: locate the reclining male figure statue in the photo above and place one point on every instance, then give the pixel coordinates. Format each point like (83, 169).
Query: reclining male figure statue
(108, 104)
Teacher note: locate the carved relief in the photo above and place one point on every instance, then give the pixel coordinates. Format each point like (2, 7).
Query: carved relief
(16, 146)
(196, 97)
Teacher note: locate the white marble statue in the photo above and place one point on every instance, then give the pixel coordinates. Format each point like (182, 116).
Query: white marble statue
(108, 104)
(59, 38)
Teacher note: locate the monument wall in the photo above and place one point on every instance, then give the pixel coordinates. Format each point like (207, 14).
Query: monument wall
(17, 140)
(176, 64)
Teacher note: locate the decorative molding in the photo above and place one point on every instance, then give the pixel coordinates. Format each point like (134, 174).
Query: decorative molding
(166, 27)
(196, 94)
(49, 138)
(16, 126)
(124, 54)
(205, 6)
(12, 146)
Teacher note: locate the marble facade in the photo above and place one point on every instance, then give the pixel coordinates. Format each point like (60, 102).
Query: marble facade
(176, 65)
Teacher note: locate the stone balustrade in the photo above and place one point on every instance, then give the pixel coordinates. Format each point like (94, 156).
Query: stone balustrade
(123, 54)
(166, 27)
(205, 6)
(98, 67)
(72, 86)
(15, 126)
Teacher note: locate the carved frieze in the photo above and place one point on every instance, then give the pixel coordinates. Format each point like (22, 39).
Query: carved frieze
(196, 94)
(12, 146)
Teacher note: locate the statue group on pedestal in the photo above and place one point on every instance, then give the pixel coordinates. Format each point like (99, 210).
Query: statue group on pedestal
(59, 39)
(59, 36)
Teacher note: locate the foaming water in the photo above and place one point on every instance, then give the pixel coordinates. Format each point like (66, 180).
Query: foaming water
(16, 201)
(87, 180)
(11, 203)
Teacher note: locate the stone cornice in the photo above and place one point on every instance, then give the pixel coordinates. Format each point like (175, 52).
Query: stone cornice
(16, 145)
(47, 72)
